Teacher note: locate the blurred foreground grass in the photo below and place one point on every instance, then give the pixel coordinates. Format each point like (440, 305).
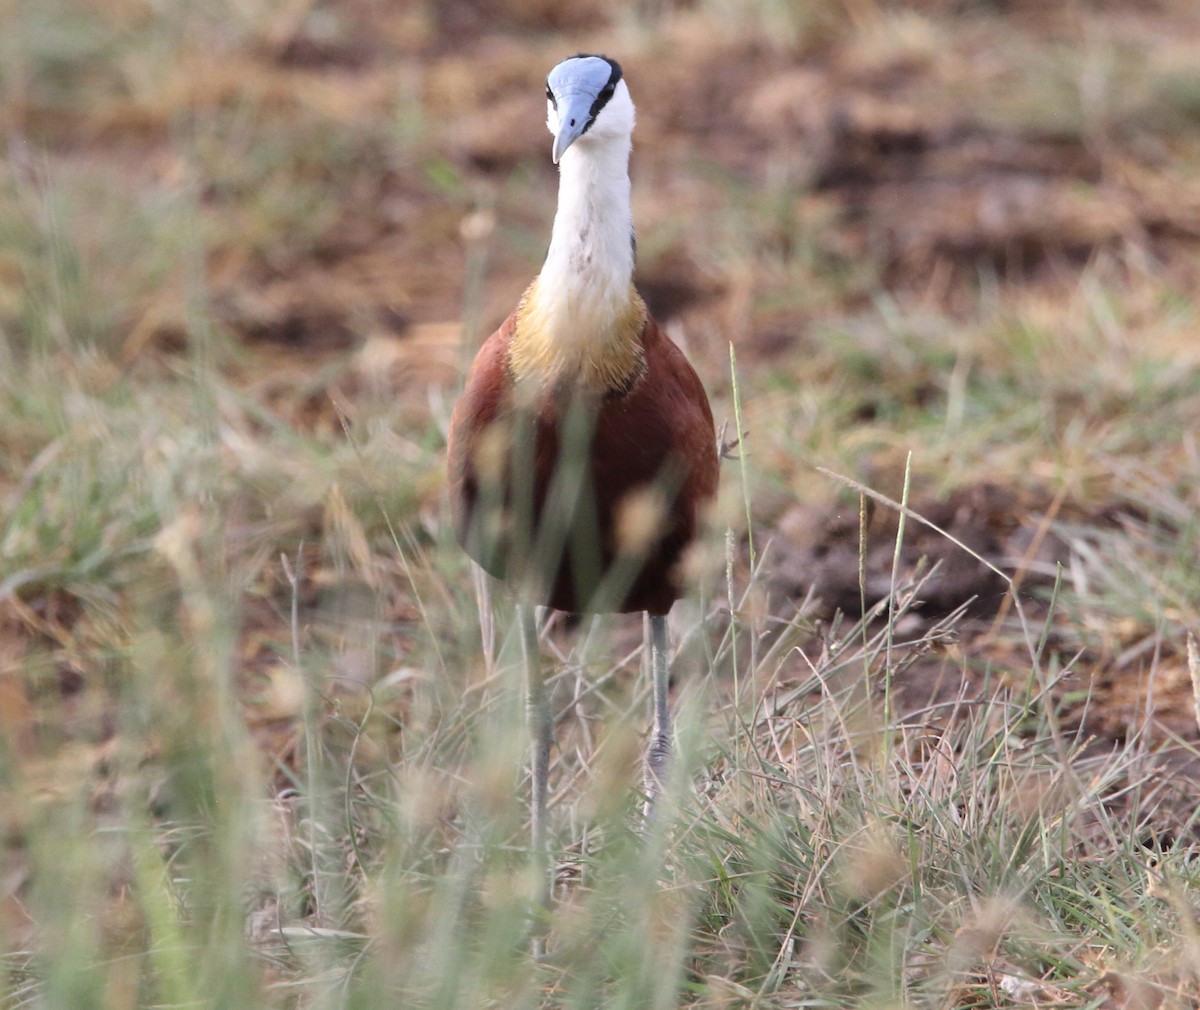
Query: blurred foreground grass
(255, 749)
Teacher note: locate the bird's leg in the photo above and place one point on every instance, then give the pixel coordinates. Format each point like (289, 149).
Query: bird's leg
(658, 754)
(537, 713)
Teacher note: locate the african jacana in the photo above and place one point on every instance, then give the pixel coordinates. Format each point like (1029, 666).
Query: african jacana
(582, 450)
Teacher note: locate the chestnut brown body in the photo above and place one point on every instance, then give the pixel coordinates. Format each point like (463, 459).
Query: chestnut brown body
(586, 500)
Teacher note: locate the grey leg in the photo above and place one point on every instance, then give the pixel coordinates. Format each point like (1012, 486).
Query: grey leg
(658, 754)
(540, 722)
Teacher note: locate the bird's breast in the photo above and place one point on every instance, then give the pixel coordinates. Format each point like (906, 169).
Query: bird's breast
(584, 340)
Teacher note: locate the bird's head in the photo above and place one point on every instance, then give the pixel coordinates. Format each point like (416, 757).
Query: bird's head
(587, 102)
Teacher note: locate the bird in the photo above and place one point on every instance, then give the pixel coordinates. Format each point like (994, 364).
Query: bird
(582, 453)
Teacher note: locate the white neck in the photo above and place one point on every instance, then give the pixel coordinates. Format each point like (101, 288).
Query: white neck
(585, 286)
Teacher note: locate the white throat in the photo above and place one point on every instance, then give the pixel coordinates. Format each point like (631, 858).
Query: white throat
(586, 284)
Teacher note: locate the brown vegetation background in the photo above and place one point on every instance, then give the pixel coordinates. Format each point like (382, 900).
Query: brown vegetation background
(961, 228)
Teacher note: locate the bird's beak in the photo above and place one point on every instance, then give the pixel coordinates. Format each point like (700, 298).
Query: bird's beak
(575, 111)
